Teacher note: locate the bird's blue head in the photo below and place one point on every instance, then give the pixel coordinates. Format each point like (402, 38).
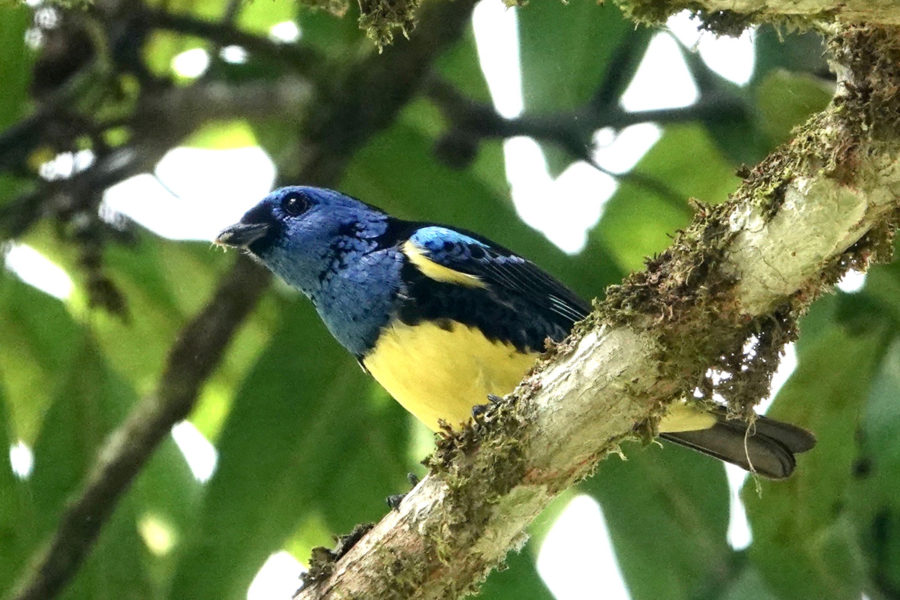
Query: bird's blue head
(304, 234)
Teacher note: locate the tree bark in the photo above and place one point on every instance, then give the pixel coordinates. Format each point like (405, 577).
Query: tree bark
(827, 201)
(728, 14)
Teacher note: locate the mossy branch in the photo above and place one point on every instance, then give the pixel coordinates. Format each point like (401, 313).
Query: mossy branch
(732, 16)
(826, 202)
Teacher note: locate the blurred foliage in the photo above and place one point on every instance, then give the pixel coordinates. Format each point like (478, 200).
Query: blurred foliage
(307, 445)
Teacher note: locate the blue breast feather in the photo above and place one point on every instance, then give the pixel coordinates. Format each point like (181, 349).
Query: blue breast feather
(358, 296)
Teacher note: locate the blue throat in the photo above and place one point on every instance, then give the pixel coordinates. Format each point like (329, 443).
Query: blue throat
(356, 297)
(351, 280)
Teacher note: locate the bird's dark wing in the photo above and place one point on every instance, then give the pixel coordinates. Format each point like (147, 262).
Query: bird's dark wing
(485, 269)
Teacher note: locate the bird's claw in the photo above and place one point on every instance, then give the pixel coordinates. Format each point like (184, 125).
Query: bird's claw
(394, 500)
(480, 409)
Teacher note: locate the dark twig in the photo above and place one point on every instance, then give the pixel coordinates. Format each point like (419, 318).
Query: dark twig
(164, 117)
(193, 357)
(300, 58)
(642, 180)
(481, 120)
(572, 131)
(622, 66)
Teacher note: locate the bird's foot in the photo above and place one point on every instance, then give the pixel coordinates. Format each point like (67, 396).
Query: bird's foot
(480, 409)
(394, 500)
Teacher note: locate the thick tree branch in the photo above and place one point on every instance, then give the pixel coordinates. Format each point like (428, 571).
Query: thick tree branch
(730, 16)
(827, 201)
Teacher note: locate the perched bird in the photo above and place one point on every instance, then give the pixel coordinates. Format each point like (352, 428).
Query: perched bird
(442, 318)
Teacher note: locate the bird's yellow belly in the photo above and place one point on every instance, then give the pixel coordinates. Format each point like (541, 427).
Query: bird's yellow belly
(438, 373)
(441, 373)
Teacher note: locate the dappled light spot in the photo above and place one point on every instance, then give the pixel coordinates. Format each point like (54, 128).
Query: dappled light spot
(733, 58)
(277, 579)
(852, 282)
(497, 37)
(577, 560)
(21, 459)
(200, 454)
(662, 79)
(157, 533)
(191, 63)
(739, 534)
(38, 271)
(197, 192)
(286, 31)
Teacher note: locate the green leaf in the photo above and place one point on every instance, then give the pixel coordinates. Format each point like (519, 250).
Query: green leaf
(786, 99)
(88, 402)
(784, 90)
(667, 514)
(258, 16)
(337, 37)
(166, 502)
(114, 569)
(458, 66)
(741, 139)
(566, 50)
(874, 500)
(36, 338)
(796, 52)
(638, 223)
(748, 585)
(222, 135)
(163, 46)
(86, 408)
(77, 399)
(519, 579)
(804, 543)
(15, 68)
(10, 188)
(164, 284)
(16, 509)
(881, 292)
(304, 437)
(566, 53)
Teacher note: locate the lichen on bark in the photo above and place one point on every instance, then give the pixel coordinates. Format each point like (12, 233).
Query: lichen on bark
(381, 19)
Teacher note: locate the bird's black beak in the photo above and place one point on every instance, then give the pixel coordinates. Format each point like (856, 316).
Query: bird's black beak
(241, 235)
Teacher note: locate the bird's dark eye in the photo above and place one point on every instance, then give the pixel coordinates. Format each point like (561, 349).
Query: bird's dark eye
(295, 204)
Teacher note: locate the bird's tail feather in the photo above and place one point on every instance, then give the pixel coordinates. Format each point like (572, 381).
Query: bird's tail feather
(766, 447)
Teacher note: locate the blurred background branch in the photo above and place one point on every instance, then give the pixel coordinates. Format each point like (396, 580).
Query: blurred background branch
(193, 357)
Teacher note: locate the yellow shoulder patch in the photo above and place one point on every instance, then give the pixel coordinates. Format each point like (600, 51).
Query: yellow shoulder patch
(432, 270)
